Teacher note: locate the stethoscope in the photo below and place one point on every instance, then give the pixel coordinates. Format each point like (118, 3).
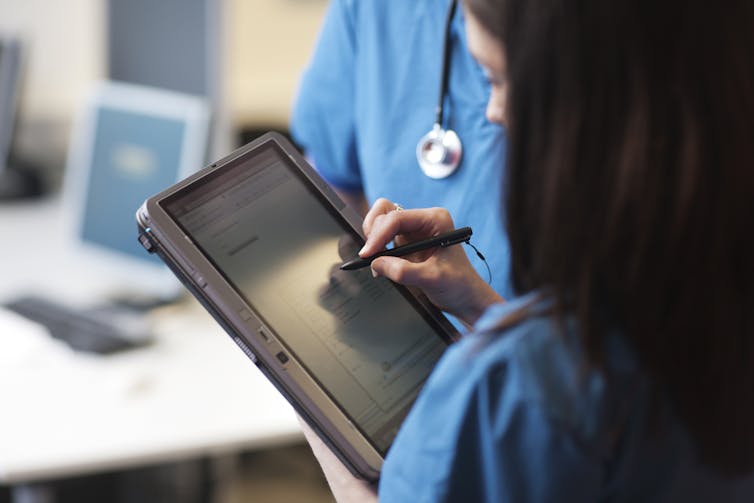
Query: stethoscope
(439, 151)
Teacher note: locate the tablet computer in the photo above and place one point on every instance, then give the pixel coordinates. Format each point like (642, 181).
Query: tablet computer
(258, 238)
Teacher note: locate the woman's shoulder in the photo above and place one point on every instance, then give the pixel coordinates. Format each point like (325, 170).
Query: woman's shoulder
(522, 350)
(517, 409)
(501, 396)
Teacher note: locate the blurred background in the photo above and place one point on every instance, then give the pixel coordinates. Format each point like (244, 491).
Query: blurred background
(110, 391)
(246, 55)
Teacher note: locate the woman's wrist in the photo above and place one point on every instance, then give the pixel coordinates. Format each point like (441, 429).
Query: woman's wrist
(480, 297)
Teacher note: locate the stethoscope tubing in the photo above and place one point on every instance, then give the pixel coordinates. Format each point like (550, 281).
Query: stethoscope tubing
(439, 151)
(445, 72)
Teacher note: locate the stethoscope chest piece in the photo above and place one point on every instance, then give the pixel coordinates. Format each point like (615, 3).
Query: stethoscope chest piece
(439, 152)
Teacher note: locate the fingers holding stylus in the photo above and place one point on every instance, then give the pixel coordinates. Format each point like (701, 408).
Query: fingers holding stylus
(445, 274)
(382, 227)
(380, 207)
(405, 272)
(446, 277)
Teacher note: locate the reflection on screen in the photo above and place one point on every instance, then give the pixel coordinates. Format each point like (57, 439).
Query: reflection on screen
(281, 248)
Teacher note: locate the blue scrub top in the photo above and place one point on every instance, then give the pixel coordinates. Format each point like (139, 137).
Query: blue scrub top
(369, 95)
(514, 416)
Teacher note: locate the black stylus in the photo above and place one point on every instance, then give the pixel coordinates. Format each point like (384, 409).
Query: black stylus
(447, 239)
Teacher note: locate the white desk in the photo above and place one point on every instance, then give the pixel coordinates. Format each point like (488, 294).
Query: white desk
(192, 393)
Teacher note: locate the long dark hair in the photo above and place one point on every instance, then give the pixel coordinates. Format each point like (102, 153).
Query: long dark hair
(630, 189)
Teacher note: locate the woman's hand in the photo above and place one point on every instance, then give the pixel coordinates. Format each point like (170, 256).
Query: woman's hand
(344, 486)
(444, 274)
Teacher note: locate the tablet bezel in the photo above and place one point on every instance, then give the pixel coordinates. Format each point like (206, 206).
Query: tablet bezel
(228, 305)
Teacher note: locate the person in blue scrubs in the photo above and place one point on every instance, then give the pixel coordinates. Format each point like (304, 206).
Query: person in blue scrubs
(622, 370)
(369, 95)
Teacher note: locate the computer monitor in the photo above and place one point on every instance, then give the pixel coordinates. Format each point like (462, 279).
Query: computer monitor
(15, 181)
(10, 64)
(130, 142)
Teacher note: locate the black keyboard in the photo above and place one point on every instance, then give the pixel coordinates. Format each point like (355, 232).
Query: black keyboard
(103, 330)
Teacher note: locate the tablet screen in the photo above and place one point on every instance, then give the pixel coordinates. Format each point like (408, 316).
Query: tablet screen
(279, 244)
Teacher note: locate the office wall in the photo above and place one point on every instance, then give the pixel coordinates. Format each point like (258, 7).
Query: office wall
(65, 50)
(139, 50)
(267, 44)
(178, 45)
(255, 54)
(64, 54)
(271, 41)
